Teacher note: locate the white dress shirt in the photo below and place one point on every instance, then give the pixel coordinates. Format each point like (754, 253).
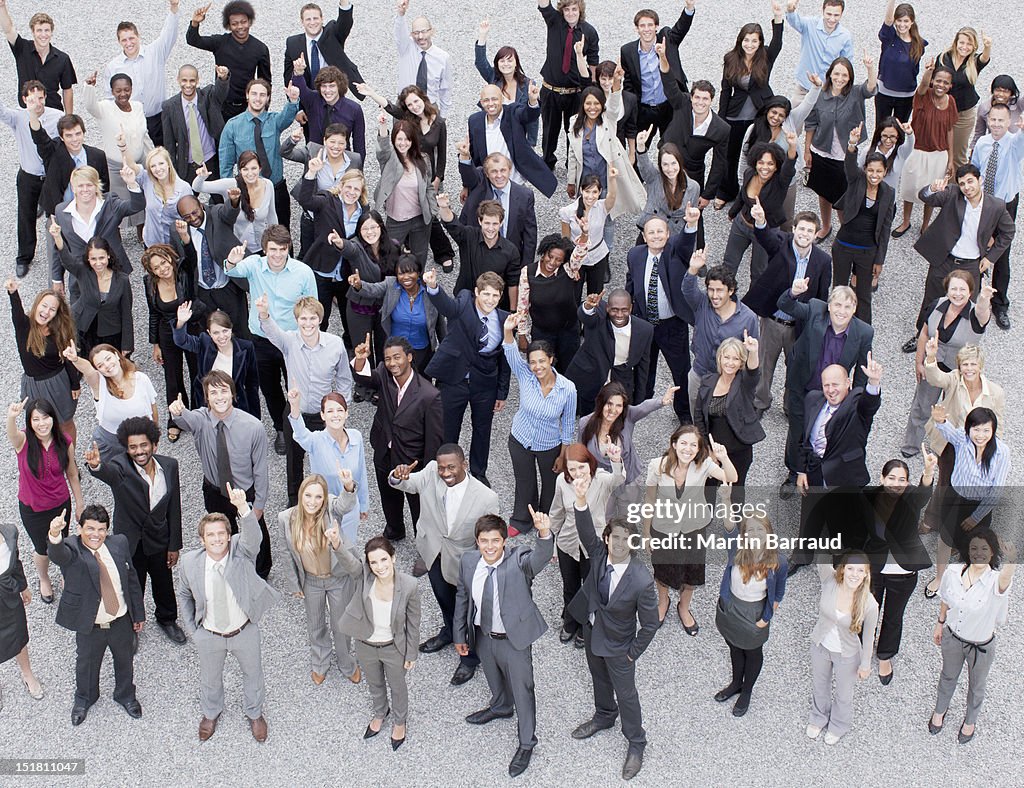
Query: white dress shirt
(102, 616)
(236, 616)
(665, 310)
(85, 226)
(479, 578)
(452, 501)
(5, 556)
(975, 610)
(148, 69)
(157, 485)
(439, 79)
(702, 129)
(966, 247)
(496, 144)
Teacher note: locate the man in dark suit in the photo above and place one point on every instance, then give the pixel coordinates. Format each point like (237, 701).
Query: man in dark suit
(102, 604)
(617, 593)
(192, 122)
(791, 256)
(147, 511)
(407, 426)
(654, 280)
(653, 107)
(469, 364)
(831, 335)
(493, 181)
(496, 616)
(511, 119)
(616, 346)
(322, 45)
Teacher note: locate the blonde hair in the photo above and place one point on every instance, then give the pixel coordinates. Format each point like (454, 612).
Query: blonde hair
(351, 175)
(307, 532)
(86, 173)
(755, 563)
(971, 61)
(971, 353)
(860, 596)
(733, 344)
(165, 193)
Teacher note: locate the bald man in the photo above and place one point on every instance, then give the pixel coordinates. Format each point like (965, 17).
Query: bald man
(192, 122)
(421, 63)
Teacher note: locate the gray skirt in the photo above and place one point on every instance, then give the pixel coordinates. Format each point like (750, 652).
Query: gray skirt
(56, 390)
(737, 621)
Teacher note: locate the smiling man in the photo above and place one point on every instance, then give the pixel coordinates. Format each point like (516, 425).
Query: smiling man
(321, 44)
(39, 60)
(421, 63)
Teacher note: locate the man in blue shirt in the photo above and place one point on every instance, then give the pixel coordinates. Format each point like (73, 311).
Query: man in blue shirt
(821, 41)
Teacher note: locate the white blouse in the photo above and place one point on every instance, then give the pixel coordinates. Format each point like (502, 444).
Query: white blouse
(111, 411)
(381, 618)
(974, 609)
(265, 214)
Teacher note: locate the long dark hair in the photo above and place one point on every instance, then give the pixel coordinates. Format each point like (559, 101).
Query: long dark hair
(673, 197)
(734, 66)
(989, 537)
(845, 63)
(246, 201)
(976, 418)
(35, 446)
(889, 123)
(518, 75)
(415, 154)
(916, 42)
(586, 182)
(581, 116)
(761, 131)
(101, 243)
(592, 427)
(430, 112)
(387, 249)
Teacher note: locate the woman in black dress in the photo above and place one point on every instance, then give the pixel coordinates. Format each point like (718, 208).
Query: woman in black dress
(14, 596)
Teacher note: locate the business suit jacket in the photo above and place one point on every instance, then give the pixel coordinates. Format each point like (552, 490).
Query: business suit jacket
(301, 153)
(389, 295)
(672, 37)
(733, 97)
(81, 599)
(108, 227)
(846, 439)
(773, 193)
(158, 530)
(243, 368)
(594, 360)
(209, 100)
(935, 243)
(460, 350)
(763, 295)
(391, 171)
(341, 559)
(740, 412)
(635, 599)
(254, 595)
(807, 350)
(695, 147)
(514, 120)
(357, 620)
(521, 222)
(432, 536)
(414, 429)
(672, 267)
(220, 235)
(115, 313)
(332, 49)
(13, 625)
(513, 581)
(327, 209)
(59, 166)
(852, 202)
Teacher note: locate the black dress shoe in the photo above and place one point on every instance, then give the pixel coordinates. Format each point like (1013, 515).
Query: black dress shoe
(898, 233)
(134, 709)
(485, 716)
(788, 488)
(634, 760)
(47, 599)
(21, 269)
(280, 444)
(962, 737)
(174, 633)
(462, 674)
(1003, 319)
(742, 704)
(933, 728)
(887, 679)
(579, 641)
(78, 715)
(434, 644)
(391, 536)
(565, 635)
(396, 743)
(910, 346)
(589, 728)
(369, 733)
(727, 692)
(519, 762)
(794, 567)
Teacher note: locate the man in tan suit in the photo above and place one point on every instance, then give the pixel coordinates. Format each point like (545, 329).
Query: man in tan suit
(451, 501)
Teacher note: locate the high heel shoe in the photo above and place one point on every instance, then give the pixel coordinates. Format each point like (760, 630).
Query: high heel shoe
(396, 743)
(370, 732)
(933, 728)
(38, 695)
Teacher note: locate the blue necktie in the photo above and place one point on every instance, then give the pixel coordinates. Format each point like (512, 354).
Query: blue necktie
(498, 194)
(209, 272)
(314, 61)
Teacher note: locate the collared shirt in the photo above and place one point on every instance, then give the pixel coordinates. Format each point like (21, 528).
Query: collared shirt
(665, 310)
(439, 78)
(315, 371)
(832, 346)
(709, 330)
(17, 119)
(56, 72)
(801, 272)
(5, 556)
(157, 484)
(148, 69)
(818, 47)
(966, 246)
(970, 478)
(102, 616)
(476, 257)
(220, 278)
(617, 570)
(325, 455)
(652, 91)
(236, 616)
(320, 115)
(452, 501)
(283, 288)
(621, 337)
(309, 51)
(328, 177)
(85, 226)
(494, 330)
(209, 146)
(479, 578)
(495, 141)
(1011, 155)
(974, 612)
(239, 135)
(701, 129)
(542, 422)
(247, 447)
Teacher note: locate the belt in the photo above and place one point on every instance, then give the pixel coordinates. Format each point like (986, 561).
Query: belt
(964, 259)
(781, 322)
(974, 648)
(562, 91)
(654, 106)
(497, 635)
(107, 625)
(377, 645)
(229, 634)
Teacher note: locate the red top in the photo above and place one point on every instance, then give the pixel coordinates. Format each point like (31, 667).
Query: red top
(932, 125)
(48, 490)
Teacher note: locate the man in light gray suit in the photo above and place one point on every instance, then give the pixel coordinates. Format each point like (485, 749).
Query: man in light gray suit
(451, 501)
(498, 579)
(222, 600)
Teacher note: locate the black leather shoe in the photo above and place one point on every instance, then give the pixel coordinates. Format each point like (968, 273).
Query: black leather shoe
(933, 729)
(579, 641)
(634, 760)
(174, 633)
(369, 733)
(962, 737)
(589, 728)
(434, 644)
(280, 445)
(742, 704)
(78, 714)
(910, 345)
(462, 674)
(419, 568)
(519, 762)
(887, 679)
(485, 716)
(794, 567)
(1003, 319)
(393, 537)
(21, 269)
(727, 692)
(134, 709)
(396, 743)
(565, 635)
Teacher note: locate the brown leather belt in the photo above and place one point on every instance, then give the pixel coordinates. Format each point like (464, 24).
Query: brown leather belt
(562, 91)
(229, 634)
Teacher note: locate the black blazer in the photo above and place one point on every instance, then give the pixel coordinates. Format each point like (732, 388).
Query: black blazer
(414, 429)
(672, 37)
(695, 147)
(12, 577)
(935, 243)
(220, 235)
(243, 368)
(592, 363)
(332, 50)
(846, 436)
(513, 128)
(675, 260)
(763, 295)
(209, 100)
(773, 193)
(326, 208)
(522, 214)
(59, 165)
(114, 315)
(635, 599)
(852, 202)
(733, 97)
(167, 311)
(740, 412)
(158, 529)
(459, 352)
(81, 601)
(108, 227)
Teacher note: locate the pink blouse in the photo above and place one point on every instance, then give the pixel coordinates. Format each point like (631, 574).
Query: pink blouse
(47, 491)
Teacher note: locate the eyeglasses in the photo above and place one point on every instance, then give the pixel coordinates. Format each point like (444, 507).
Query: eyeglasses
(890, 136)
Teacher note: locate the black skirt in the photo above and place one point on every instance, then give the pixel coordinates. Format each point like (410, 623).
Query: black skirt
(827, 178)
(13, 624)
(682, 566)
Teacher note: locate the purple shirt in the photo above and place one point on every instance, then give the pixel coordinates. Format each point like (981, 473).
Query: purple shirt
(320, 115)
(831, 350)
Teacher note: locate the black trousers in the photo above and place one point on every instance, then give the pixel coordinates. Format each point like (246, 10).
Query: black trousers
(886, 106)
(565, 342)
(556, 109)
(746, 667)
(615, 692)
(444, 593)
(29, 188)
(440, 243)
(175, 382)
(329, 292)
(573, 573)
(229, 299)
(231, 108)
(155, 566)
(525, 465)
(730, 185)
(479, 393)
(307, 234)
(89, 339)
(271, 368)
(794, 406)
(91, 647)
(421, 359)
(155, 127)
(213, 165)
(215, 501)
(1001, 266)
(860, 263)
(283, 204)
(891, 592)
(358, 326)
(296, 454)
(391, 500)
(672, 338)
(648, 115)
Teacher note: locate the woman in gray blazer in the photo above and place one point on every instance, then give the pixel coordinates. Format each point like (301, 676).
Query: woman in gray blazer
(384, 618)
(669, 191)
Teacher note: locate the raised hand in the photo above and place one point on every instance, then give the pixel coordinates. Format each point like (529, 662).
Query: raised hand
(237, 497)
(315, 165)
(757, 212)
(401, 472)
(814, 79)
(181, 227)
(443, 202)
(71, 352)
(346, 477)
(199, 15)
(718, 450)
(362, 350)
(15, 408)
(262, 306)
(128, 175)
(299, 65)
(336, 239)
(698, 260)
(292, 92)
(691, 215)
(483, 29)
(533, 93)
(855, 134)
(355, 282)
(614, 452)
(57, 524)
(872, 370)
(669, 395)
(800, 286)
(511, 322)
(177, 407)
(430, 278)
(931, 460)
(184, 312)
(540, 521)
(940, 184)
(237, 254)
(333, 535)
(931, 347)
(592, 300)
(11, 285)
(907, 128)
(613, 172)
(578, 46)
(222, 72)
(91, 79)
(92, 456)
(986, 292)
(642, 137)
(791, 139)
(659, 48)
(580, 487)
(234, 195)
(938, 413)
(294, 396)
(750, 343)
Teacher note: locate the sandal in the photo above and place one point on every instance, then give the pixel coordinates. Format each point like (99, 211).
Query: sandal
(928, 593)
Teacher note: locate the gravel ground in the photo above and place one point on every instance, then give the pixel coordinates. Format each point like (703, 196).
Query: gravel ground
(315, 731)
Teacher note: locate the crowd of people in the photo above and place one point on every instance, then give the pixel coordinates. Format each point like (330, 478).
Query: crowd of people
(241, 311)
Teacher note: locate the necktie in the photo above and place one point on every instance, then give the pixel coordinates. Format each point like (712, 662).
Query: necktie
(652, 294)
(80, 159)
(421, 72)
(487, 602)
(819, 435)
(605, 587)
(498, 194)
(990, 169)
(223, 459)
(261, 149)
(314, 61)
(195, 139)
(483, 333)
(567, 53)
(107, 592)
(219, 602)
(207, 266)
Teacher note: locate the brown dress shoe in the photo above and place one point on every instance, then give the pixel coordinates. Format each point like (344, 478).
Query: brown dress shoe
(318, 678)
(207, 727)
(259, 729)
(356, 677)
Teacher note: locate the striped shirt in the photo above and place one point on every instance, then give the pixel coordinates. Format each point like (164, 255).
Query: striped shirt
(542, 422)
(969, 478)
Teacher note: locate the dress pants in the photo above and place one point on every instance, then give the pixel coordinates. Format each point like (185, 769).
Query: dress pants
(886, 106)
(565, 342)
(271, 368)
(384, 666)
(741, 236)
(574, 572)
(692, 388)
(326, 599)
(155, 566)
(1001, 266)
(296, 456)
(413, 233)
(615, 692)
(523, 462)
(479, 392)
(556, 110)
(215, 501)
(730, 182)
(657, 115)
(440, 243)
(328, 292)
(933, 288)
(672, 338)
(894, 591)
(282, 205)
(509, 673)
(213, 650)
(174, 357)
(357, 326)
(444, 593)
(29, 188)
(307, 234)
(847, 261)
(835, 713)
(955, 653)
(925, 395)
(391, 500)
(795, 413)
(936, 504)
(155, 128)
(229, 299)
(90, 648)
(776, 339)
